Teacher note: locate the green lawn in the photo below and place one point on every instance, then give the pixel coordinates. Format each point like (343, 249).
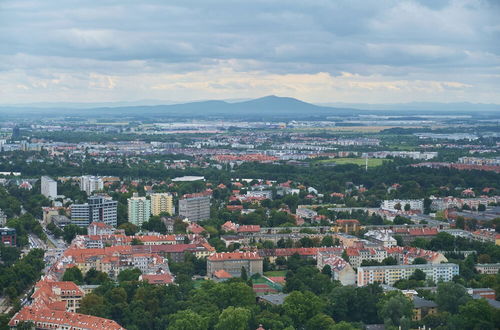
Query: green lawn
(372, 162)
(275, 273)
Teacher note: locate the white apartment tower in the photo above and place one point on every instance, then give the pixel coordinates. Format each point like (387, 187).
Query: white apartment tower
(89, 184)
(49, 187)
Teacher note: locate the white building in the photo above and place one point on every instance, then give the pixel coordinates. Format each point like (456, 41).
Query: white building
(89, 184)
(49, 187)
(392, 204)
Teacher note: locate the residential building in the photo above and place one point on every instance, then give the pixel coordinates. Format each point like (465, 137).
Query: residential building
(162, 202)
(195, 207)
(346, 226)
(139, 210)
(57, 319)
(341, 270)
(49, 187)
(390, 274)
(490, 269)
(100, 228)
(8, 236)
(422, 308)
(486, 236)
(399, 204)
(3, 218)
(89, 184)
(98, 208)
(233, 262)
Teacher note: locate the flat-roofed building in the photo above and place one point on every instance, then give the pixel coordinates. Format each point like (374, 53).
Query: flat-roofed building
(195, 207)
(162, 202)
(391, 274)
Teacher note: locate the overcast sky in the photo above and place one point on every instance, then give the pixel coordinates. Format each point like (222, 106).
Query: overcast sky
(362, 51)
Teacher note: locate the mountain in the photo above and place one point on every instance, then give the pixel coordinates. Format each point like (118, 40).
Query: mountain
(268, 106)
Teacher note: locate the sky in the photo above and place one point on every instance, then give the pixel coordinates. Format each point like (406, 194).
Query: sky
(353, 51)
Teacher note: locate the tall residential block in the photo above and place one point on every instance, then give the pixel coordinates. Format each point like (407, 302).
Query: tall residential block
(195, 207)
(139, 210)
(98, 209)
(89, 184)
(49, 187)
(162, 202)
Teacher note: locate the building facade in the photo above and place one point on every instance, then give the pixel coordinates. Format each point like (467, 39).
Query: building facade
(139, 210)
(49, 187)
(233, 262)
(195, 207)
(97, 209)
(162, 202)
(89, 184)
(390, 274)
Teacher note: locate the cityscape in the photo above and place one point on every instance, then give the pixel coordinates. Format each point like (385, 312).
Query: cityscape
(179, 184)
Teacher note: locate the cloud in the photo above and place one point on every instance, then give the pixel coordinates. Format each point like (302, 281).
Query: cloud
(99, 50)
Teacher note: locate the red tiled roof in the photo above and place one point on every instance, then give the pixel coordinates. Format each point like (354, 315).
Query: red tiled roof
(234, 256)
(62, 318)
(221, 273)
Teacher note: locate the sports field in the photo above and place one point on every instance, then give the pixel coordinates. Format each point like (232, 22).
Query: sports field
(372, 162)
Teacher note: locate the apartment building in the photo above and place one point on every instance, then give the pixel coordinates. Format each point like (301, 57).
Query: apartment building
(139, 210)
(195, 207)
(48, 187)
(162, 202)
(98, 208)
(89, 184)
(399, 204)
(390, 274)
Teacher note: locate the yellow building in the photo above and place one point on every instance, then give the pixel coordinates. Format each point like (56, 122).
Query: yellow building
(162, 202)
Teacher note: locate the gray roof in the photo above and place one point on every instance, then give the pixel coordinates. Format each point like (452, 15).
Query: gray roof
(275, 299)
(421, 302)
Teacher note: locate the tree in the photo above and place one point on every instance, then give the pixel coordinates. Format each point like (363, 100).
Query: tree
(136, 241)
(95, 277)
(244, 275)
(130, 228)
(327, 241)
(234, 318)
(450, 296)
(460, 222)
(394, 307)
(345, 256)
(129, 275)
(327, 270)
(302, 306)
(389, 261)
(481, 208)
(418, 275)
(187, 320)
(407, 207)
(478, 314)
(419, 261)
(93, 304)
(73, 274)
(320, 322)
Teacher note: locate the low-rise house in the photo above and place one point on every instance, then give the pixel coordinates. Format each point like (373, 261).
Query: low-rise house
(490, 269)
(422, 308)
(341, 270)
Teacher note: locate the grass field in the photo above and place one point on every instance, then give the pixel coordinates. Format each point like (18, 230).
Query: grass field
(275, 273)
(372, 162)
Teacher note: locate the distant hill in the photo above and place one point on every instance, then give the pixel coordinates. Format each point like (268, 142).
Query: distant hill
(269, 106)
(420, 106)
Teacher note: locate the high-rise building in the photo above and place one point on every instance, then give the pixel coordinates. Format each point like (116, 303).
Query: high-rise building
(139, 210)
(162, 202)
(98, 209)
(89, 184)
(49, 187)
(195, 207)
